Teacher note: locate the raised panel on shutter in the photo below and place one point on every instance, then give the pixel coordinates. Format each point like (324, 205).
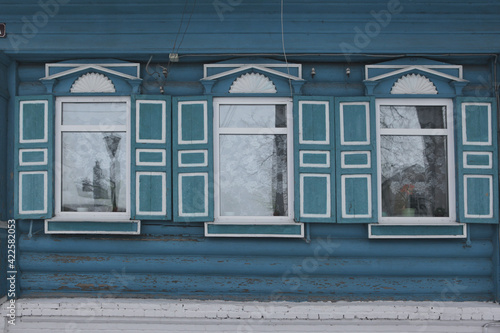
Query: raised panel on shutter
(34, 157)
(477, 160)
(193, 159)
(151, 158)
(356, 160)
(314, 165)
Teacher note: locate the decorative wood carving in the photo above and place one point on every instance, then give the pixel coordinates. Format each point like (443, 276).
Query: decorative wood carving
(93, 83)
(253, 83)
(413, 84)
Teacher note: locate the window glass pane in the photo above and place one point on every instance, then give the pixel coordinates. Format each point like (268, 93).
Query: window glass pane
(399, 116)
(94, 114)
(253, 175)
(93, 172)
(414, 176)
(253, 116)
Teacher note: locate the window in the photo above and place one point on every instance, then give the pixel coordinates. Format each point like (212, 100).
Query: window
(416, 160)
(253, 160)
(92, 158)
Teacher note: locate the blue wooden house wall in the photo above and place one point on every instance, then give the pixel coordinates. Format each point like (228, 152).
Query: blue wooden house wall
(335, 261)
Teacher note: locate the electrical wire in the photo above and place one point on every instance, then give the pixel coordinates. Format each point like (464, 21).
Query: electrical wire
(284, 52)
(180, 25)
(176, 51)
(187, 26)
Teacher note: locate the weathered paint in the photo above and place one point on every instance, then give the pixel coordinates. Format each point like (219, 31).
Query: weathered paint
(175, 259)
(327, 27)
(339, 263)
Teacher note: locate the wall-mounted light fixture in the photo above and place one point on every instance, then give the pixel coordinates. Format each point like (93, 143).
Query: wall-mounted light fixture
(2, 30)
(348, 71)
(313, 72)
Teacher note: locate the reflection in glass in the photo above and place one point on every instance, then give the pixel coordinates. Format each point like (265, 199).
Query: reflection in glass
(253, 175)
(414, 175)
(253, 116)
(422, 116)
(94, 114)
(92, 175)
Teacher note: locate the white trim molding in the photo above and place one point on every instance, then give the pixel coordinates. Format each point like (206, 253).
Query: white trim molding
(45, 121)
(368, 163)
(60, 129)
(44, 151)
(76, 67)
(325, 153)
(163, 193)
(327, 124)
(187, 152)
(448, 132)
(466, 154)
(367, 126)
(219, 131)
(163, 122)
(180, 140)
(490, 197)
(465, 140)
(368, 178)
(45, 193)
(236, 68)
(400, 69)
(138, 161)
(328, 212)
(181, 208)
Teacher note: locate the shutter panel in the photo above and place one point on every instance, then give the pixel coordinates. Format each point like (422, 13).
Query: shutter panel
(356, 159)
(34, 161)
(314, 165)
(151, 158)
(477, 160)
(193, 159)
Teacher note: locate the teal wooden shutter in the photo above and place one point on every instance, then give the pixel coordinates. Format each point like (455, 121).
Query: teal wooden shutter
(193, 159)
(477, 160)
(151, 158)
(34, 161)
(314, 158)
(356, 159)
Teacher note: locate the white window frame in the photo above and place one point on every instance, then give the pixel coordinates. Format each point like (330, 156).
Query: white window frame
(59, 129)
(263, 131)
(448, 132)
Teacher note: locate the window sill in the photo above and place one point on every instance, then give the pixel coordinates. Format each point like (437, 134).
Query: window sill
(104, 227)
(421, 230)
(277, 230)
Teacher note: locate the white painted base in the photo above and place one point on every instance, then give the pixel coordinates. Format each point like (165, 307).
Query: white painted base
(85, 315)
